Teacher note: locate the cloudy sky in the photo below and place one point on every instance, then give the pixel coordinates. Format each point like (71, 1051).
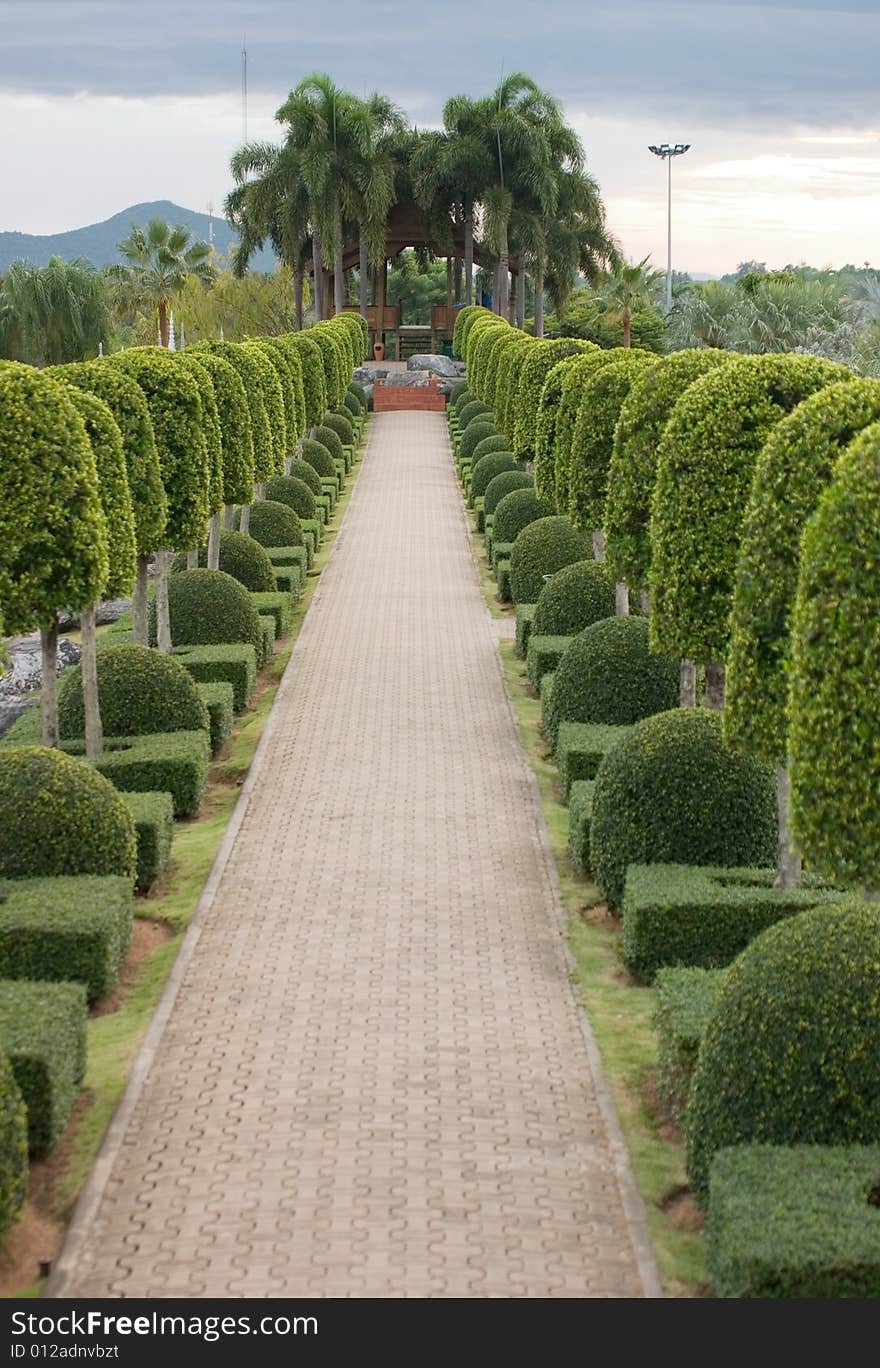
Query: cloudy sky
(105, 103)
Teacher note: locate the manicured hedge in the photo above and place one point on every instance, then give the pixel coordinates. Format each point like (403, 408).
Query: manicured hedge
(166, 762)
(66, 930)
(229, 663)
(242, 557)
(580, 817)
(525, 616)
(580, 749)
(219, 700)
(543, 547)
(495, 442)
(248, 372)
(314, 383)
(474, 436)
(207, 607)
(153, 817)
(790, 1055)
(671, 793)
(287, 489)
(141, 691)
(487, 468)
(503, 484)
(578, 376)
(592, 440)
(608, 674)
(113, 490)
(540, 359)
(273, 524)
(59, 817)
(305, 471)
(543, 656)
(677, 914)
(794, 1222)
(326, 437)
(686, 999)
(360, 394)
(267, 639)
(644, 414)
(210, 425)
(792, 471)
(545, 428)
(43, 1034)
(510, 364)
(705, 464)
(835, 699)
(516, 511)
(236, 431)
(577, 595)
(272, 462)
(13, 1147)
(277, 606)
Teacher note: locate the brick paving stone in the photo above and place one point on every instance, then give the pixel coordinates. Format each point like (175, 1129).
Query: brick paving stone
(372, 1077)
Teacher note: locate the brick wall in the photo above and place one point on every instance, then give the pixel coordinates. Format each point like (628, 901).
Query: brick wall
(390, 398)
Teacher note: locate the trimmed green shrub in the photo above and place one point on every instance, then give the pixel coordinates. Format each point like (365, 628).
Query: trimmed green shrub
(525, 616)
(289, 372)
(790, 1055)
(271, 461)
(545, 427)
(314, 382)
(341, 425)
(288, 580)
(485, 469)
(267, 639)
(141, 692)
(329, 439)
(164, 762)
(153, 817)
(13, 1147)
(592, 441)
(581, 747)
(210, 422)
(241, 557)
(543, 656)
(125, 400)
(235, 427)
(458, 389)
(43, 1034)
(287, 489)
(360, 394)
(675, 914)
(464, 320)
(686, 999)
(466, 397)
(249, 373)
(473, 437)
(487, 359)
(543, 546)
(354, 406)
(582, 370)
(704, 471)
(59, 817)
(580, 817)
(471, 412)
(577, 596)
(495, 442)
(834, 708)
(335, 384)
(540, 359)
(503, 484)
(608, 674)
(305, 471)
(500, 551)
(219, 700)
(504, 581)
(794, 1222)
(272, 524)
(66, 930)
(113, 491)
(654, 392)
(516, 511)
(545, 692)
(208, 607)
(230, 663)
(277, 606)
(670, 793)
(319, 458)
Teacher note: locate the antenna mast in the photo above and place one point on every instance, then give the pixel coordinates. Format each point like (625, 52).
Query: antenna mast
(244, 97)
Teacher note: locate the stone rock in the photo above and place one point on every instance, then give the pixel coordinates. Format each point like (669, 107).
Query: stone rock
(437, 365)
(10, 710)
(25, 672)
(105, 613)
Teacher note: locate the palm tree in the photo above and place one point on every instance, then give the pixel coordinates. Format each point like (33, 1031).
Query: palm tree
(577, 242)
(627, 288)
(160, 261)
(53, 314)
(269, 201)
(451, 169)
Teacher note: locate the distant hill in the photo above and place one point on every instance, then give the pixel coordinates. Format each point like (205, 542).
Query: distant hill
(97, 242)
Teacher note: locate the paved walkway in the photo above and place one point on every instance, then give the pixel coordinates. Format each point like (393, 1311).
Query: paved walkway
(370, 1075)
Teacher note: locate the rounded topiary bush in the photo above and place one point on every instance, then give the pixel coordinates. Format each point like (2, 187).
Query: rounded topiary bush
(503, 484)
(475, 435)
(608, 674)
(462, 400)
(790, 1054)
(471, 412)
(353, 404)
(241, 557)
(341, 426)
(484, 470)
(494, 442)
(319, 457)
(60, 816)
(542, 544)
(305, 471)
(329, 439)
(671, 793)
(518, 510)
(13, 1147)
(287, 489)
(360, 394)
(272, 524)
(141, 692)
(208, 607)
(458, 389)
(577, 596)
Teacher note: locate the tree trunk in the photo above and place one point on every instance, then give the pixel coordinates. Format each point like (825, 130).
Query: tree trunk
(521, 298)
(621, 599)
(469, 253)
(715, 681)
(688, 688)
(192, 560)
(511, 299)
(501, 304)
(598, 545)
(260, 489)
(91, 702)
(318, 267)
(163, 617)
(164, 330)
(298, 298)
(214, 543)
(339, 291)
(379, 301)
(229, 516)
(141, 583)
(364, 276)
(456, 280)
(789, 872)
(539, 302)
(645, 600)
(627, 328)
(49, 685)
(245, 519)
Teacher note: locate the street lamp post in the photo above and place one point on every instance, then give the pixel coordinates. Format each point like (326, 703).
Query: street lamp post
(666, 151)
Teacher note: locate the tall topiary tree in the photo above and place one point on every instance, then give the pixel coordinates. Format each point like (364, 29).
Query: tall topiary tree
(273, 400)
(214, 450)
(125, 399)
(53, 533)
(834, 708)
(113, 491)
(178, 424)
(592, 442)
(486, 348)
(464, 321)
(509, 368)
(582, 371)
(475, 332)
(237, 438)
(705, 464)
(333, 386)
(314, 386)
(644, 414)
(261, 434)
(296, 423)
(795, 466)
(284, 370)
(539, 361)
(545, 428)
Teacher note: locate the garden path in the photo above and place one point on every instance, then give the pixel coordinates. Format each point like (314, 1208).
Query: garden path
(369, 1074)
